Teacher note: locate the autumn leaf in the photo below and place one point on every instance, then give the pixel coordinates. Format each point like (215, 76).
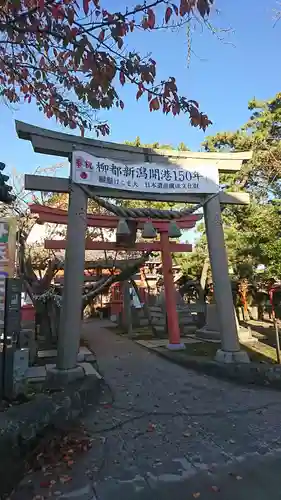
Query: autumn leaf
(122, 78)
(215, 489)
(73, 76)
(150, 18)
(45, 484)
(65, 479)
(176, 109)
(86, 6)
(186, 6)
(195, 103)
(168, 14)
(120, 42)
(139, 94)
(154, 104)
(238, 478)
(144, 23)
(74, 32)
(70, 16)
(41, 5)
(203, 7)
(101, 36)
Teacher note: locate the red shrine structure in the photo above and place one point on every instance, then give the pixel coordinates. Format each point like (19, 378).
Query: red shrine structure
(164, 245)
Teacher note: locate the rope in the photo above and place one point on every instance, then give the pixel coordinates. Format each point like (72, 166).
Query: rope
(155, 213)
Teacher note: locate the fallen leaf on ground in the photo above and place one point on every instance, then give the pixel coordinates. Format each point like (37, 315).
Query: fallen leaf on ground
(238, 478)
(45, 484)
(65, 479)
(215, 488)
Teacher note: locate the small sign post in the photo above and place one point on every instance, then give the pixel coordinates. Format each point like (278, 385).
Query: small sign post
(9, 338)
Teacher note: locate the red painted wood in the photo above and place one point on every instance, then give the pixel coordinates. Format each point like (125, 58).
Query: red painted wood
(170, 292)
(109, 245)
(58, 216)
(27, 312)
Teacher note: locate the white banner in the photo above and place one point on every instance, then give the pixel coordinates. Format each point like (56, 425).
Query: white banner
(144, 177)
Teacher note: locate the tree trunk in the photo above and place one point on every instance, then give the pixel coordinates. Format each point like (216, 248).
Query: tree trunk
(105, 283)
(48, 316)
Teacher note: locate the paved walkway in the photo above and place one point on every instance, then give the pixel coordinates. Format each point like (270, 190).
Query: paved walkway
(170, 432)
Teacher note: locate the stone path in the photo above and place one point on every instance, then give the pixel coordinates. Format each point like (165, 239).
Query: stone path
(164, 431)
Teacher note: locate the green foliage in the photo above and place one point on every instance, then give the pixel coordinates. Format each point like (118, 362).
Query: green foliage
(261, 134)
(155, 145)
(253, 233)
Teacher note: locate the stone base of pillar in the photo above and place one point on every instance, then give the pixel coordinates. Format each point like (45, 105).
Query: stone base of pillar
(245, 335)
(176, 347)
(56, 378)
(205, 333)
(211, 329)
(232, 357)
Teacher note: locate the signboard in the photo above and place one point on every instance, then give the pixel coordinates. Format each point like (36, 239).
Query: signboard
(9, 336)
(8, 230)
(13, 307)
(144, 177)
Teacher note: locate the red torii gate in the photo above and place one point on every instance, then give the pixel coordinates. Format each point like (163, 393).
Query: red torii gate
(59, 216)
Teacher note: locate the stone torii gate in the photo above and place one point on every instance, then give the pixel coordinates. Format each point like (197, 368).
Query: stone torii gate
(97, 155)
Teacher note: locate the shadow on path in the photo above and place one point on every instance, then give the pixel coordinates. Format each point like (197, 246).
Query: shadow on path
(163, 431)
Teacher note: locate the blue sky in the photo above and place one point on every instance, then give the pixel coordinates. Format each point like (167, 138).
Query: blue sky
(222, 76)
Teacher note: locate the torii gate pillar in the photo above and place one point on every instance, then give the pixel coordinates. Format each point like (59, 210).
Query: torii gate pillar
(70, 324)
(230, 348)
